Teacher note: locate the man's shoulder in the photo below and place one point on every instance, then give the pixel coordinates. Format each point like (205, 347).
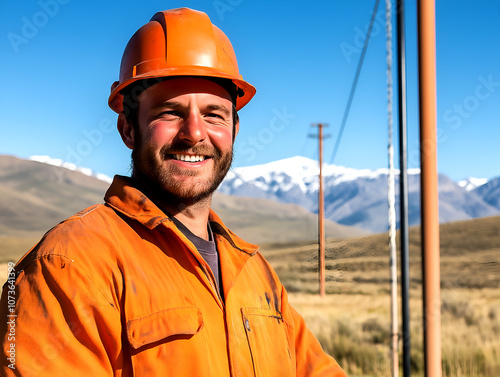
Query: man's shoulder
(87, 219)
(90, 222)
(85, 235)
(78, 251)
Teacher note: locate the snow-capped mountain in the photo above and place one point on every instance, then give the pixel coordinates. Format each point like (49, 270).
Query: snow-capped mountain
(490, 192)
(352, 196)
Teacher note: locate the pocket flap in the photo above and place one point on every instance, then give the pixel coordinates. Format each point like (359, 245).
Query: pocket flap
(164, 324)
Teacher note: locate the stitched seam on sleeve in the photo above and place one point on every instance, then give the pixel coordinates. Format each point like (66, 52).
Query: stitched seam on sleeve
(74, 265)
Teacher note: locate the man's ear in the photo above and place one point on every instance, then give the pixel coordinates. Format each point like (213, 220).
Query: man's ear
(236, 129)
(126, 131)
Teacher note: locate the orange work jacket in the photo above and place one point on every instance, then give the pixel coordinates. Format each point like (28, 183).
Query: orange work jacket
(118, 290)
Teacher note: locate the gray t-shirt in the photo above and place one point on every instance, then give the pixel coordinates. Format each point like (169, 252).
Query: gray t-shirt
(207, 249)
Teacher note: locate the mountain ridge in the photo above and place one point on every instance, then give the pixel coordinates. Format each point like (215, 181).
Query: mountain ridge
(353, 197)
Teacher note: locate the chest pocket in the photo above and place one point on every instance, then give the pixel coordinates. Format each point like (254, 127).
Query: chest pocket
(268, 340)
(182, 322)
(159, 342)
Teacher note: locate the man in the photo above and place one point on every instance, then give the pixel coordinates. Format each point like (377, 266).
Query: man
(152, 283)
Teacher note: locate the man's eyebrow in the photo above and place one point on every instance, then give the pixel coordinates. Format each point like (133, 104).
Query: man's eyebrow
(161, 105)
(222, 108)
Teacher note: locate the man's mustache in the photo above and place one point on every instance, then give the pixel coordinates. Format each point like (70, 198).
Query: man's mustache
(181, 147)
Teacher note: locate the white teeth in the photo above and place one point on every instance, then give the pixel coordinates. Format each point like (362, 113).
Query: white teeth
(189, 158)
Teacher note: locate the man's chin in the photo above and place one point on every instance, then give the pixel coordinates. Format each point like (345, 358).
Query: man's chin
(167, 190)
(190, 194)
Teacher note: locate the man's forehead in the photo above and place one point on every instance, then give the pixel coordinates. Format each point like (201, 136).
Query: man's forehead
(174, 90)
(173, 86)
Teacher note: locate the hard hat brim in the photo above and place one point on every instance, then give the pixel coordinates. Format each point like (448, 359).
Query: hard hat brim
(246, 92)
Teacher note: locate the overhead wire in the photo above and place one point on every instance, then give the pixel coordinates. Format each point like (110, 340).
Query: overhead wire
(355, 82)
(305, 144)
(353, 89)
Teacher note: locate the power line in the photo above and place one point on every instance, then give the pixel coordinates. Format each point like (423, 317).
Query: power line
(304, 146)
(355, 82)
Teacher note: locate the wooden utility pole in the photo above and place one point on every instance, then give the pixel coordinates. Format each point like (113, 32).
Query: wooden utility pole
(429, 187)
(321, 213)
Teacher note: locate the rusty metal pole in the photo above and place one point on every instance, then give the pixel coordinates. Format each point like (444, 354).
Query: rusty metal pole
(429, 188)
(321, 215)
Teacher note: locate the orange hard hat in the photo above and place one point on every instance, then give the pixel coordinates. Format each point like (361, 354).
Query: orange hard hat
(179, 42)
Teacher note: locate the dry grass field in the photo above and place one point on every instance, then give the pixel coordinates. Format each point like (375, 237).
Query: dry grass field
(353, 321)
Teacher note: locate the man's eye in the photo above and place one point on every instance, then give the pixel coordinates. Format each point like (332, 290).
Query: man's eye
(213, 115)
(169, 113)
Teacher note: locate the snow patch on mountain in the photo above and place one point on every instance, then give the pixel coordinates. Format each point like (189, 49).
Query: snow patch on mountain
(472, 183)
(60, 163)
(282, 174)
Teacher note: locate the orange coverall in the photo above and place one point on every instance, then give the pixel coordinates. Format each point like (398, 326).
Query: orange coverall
(118, 290)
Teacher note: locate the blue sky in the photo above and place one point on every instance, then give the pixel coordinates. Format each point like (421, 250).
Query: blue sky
(59, 58)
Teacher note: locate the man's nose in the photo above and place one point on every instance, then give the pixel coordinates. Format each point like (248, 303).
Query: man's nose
(193, 129)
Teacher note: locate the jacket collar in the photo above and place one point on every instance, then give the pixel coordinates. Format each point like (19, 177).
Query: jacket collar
(128, 200)
(218, 227)
(125, 198)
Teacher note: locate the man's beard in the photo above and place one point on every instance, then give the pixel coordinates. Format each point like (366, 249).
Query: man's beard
(158, 180)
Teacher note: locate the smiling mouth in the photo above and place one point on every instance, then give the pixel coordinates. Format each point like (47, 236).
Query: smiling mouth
(188, 157)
